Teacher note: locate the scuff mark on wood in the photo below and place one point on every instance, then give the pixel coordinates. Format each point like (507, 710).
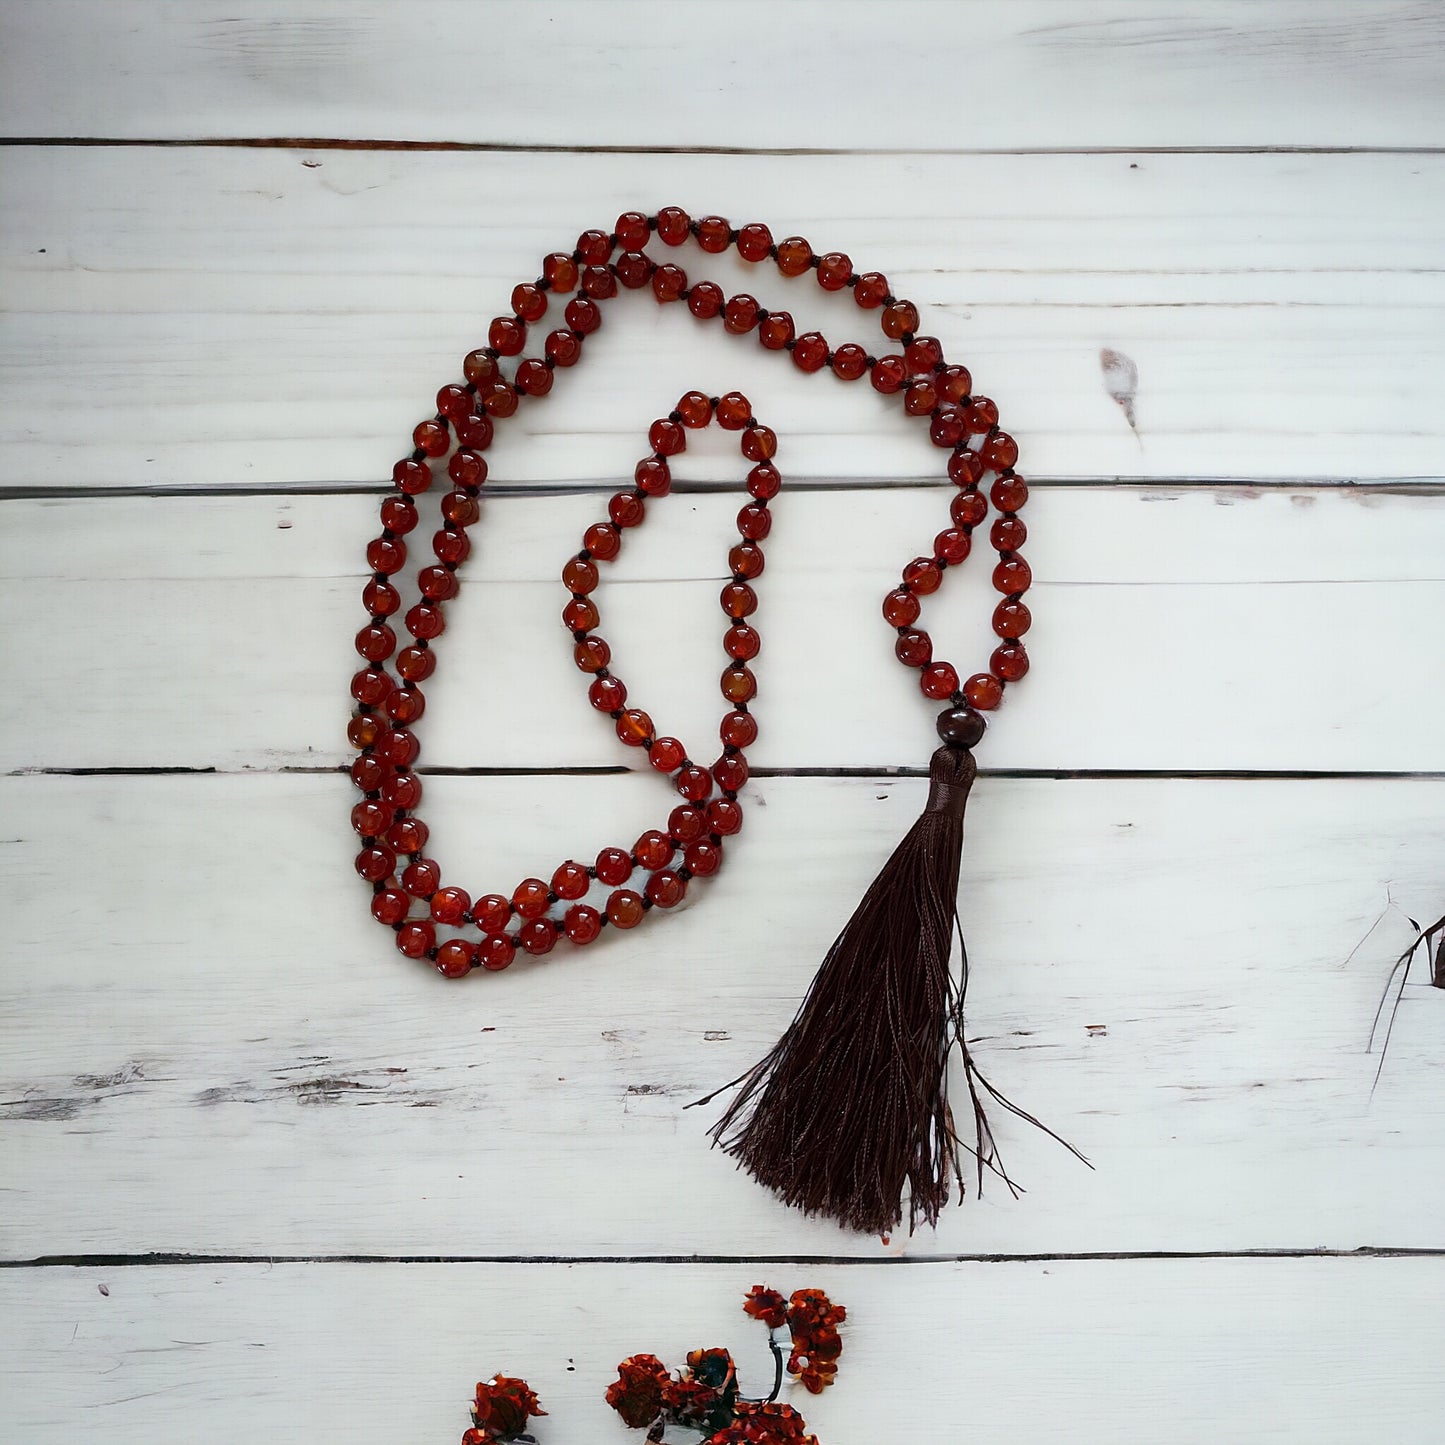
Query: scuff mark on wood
(1121, 381)
(44, 1110)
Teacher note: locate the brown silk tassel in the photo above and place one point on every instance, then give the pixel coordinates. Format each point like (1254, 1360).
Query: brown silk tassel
(851, 1108)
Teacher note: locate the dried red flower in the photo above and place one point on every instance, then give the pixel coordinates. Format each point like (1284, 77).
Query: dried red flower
(766, 1305)
(765, 1422)
(814, 1319)
(501, 1410)
(636, 1394)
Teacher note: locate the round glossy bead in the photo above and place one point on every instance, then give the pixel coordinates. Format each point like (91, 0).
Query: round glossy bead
(923, 354)
(632, 230)
(362, 732)
(562, 348)
(741, 642)
(666, 889)
(376, 642)
(980, 415)
(738, 685)
(538, 935)
(695, 409)
(582, 924)
(407, 835)
(964, 468)
(999, 451)
(983, 691)
(495, 952)
(531, 898)
(450, 905)
(411, 476)
(687, 824)
(368, 772)
(968, 509)
(834, 271)
(1009, 494)
(1008, 534)
(634, 728)
(939, 680)
(534, 377)
(764, 481)
(475, 429)
(746, 560)
(467, 468)
(461, 509)
(602, 540)
(724, 817)
(397, 746)
(666, 438)
(386, 554)
(492, 913)
(754, 242)
(754, 521)
(592, 654)
(794, 257)
(731, 772)
(507, 335)
(672, 225)
(371, 818)
(850, 362)
(870, 289)
(580, 615)
(422, 877)
(500, 399)
(607, 694)
(624, 908)
(375, 863)
(954, 382)
(810, 351)
(399, 515)
(594, 246)
(961, 727)
(1012, 575)
(579, 575)
(738, 729)
(759, 443)
(633, 270)
(913, 648)
(571, 881)
(953, 546)
(899, 320)
(734, 411)
(667, 755)
(402, 790)
(456, 957)
(432, 437)
(705, 300)
(919, 398)
(737, 600)
(1009, 662)
(653, 850)
(390, 906)
(703, 858)
(923, 575)
(583, 315)
(776, 332)
(714, 234)
(694, 783)
(417, 939)
(453, 401)
(626, 509)
(945, 427)
(888, 374)
(1011, 619)
(560, 271)
(379, 598)
(451, 545)
(900, 608)
(740, 314)
(405, 705)
(437, 583)
(614, 866)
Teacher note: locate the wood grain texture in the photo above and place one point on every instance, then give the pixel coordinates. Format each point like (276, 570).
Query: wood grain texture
(211, 1047)
(796, 76)
(291, 318)
(1192, 1352)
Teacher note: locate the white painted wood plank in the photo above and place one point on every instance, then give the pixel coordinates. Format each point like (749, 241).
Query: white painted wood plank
(1283, 631)
(294, 319)
(209, 1045)
(1189, 1351)
(799, 75)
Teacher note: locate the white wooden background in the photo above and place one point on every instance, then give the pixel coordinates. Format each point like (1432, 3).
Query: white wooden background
(263, 1181)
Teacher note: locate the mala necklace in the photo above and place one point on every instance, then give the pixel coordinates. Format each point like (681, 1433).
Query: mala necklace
(850, 1110)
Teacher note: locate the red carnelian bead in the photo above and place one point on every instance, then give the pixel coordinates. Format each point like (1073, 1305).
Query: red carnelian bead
(746, 560)
(889, 373)
(370, 686)
(369, 773)
(399, 515)
(405, 705)
(492, 912)
(764, 481)
(538, 936)
(673, 225)
(416, 940)
(694, 783)
(738, 729)
(495, 952)
(952, 546)
(582, 924)
(607, 694)
(402, 790)
(500, 399)
(980, 415)
(740, 314)
(653, 850)
(461, 508)
(742, 642)
(599, 282)
(900, 608)
(580, 615)
(899, 320)
(560, 271)
(531, 898)
(479, 368)
(453, 401)
(738, 599)
(953, 382)
(633, 270)
(579, 575)
(571, 880)
(777, 331)
(705, 300)
(667, 438)
(626, 509)
(390, 906)
(376, 642)
(939, 680)
(703, 858)
(945, 427)
(667, 755)
(919, 398)
(968, 509)
(739, 685)
(614, 866)
(411, 476)
(1012, 619)
(450, 905)
(810, 351)
(1008, 534)
(759, 443)
(437, 583)
(983, 692)
(534, 377)
(871, 288)
(422, 877)
(634, 728)
(754, 242)
(964, 468)
(754, 521)
(834, 269)
(507, 335)
(592, 654)
(529, 302)
(375, 863)
(999, 451)
(426, 621)
(714, 234)
(795, 256)
(455, 958)
(407, 835)
(666, 889)
(632, 230)
(686, 823)
(695, 409)
(582, 315)
(370, 818)
(1009, 662)
(475, 429)
(1012, 575)
(1009, 494)
(922, 354)
(624, 908)
(594, 246)
(398, 747)
(562, 348)
(923, 575)
(734, 411)
(724, 817)
(432, 437)
(362, 732)
(451, 546)
(602, 541)
(914, 648)
(380, 598)
(731, 772)
(850, 362)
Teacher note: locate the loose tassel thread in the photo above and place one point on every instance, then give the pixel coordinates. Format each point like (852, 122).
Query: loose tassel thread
(850, 1109)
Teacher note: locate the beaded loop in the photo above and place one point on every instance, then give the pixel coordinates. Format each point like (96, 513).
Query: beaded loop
(387, 688)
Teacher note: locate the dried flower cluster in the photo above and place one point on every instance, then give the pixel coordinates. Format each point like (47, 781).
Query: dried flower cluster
(501, 1411)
